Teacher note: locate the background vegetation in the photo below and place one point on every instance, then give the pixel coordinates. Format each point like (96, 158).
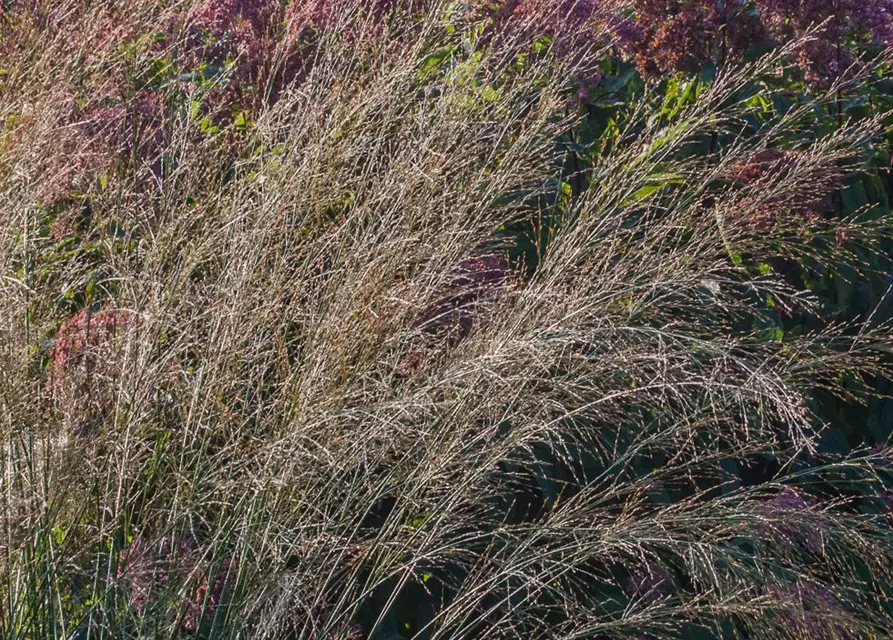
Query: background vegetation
(434, 319)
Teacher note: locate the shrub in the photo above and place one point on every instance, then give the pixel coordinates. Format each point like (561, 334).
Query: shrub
(421, 345)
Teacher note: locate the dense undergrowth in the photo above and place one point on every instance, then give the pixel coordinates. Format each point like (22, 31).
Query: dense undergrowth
(401, 319)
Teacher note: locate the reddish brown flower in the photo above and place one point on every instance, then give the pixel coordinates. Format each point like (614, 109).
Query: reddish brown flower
(150, 568)
(842, 22)
(101, 137)
(683, 35)
(82, 338)
(476, 280)
(799, 187)
(85, 363)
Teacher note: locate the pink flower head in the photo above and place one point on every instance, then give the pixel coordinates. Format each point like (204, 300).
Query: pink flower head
(102, 136)
(83, 336)
(789, 499)
(220, 29)
(573, 25)
(586, 83)
(316, 14)
(220, 15)
(625, 33)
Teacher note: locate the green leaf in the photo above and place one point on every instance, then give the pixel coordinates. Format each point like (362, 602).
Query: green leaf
(541, 44)
(432, 63)
(241, 120)
(58, 535)
(642, 194)
(854, 197)
(770, 334)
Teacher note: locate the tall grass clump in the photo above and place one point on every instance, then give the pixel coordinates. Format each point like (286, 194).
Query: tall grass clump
(320, 320)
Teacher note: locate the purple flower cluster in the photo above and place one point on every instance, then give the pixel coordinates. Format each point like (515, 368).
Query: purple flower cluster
(84, 365)
(103, 134)
(791, 520)
(150, 567)
(321, 14)
(561, 15)
(247, 24)
(243, 33)
(264, 44)
(221, 15)
(809, 610)
(842, 22)
(682, 35)
(572, 24)
(451, 316)
(475, 281)
(649, 584)
(261, 44)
